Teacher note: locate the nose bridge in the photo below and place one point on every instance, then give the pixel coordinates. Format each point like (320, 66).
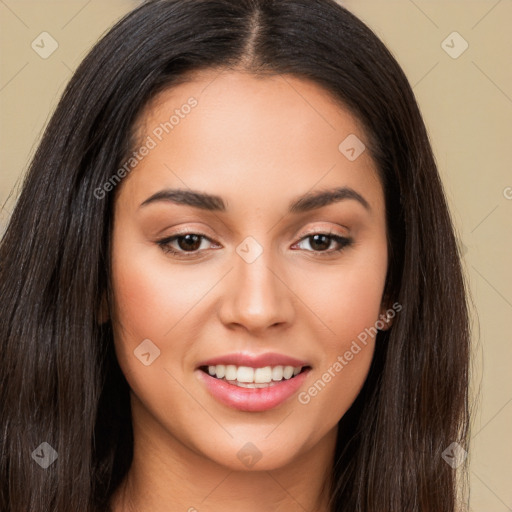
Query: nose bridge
(257, 298)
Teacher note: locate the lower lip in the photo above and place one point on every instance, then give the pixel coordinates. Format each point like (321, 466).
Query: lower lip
(252, 399)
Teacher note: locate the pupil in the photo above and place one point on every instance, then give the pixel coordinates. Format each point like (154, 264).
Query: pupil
(319, 245)
(192, 242)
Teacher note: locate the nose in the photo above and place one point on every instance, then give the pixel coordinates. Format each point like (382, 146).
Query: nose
(257, 295)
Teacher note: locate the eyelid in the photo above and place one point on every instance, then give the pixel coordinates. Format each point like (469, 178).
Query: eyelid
(310, 232)
(322, 230)
(179, 234)
(187, 231)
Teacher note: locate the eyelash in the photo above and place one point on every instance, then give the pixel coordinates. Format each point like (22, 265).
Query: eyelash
(164, 244)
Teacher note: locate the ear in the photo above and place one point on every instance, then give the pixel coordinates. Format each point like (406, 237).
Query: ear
(103, 312)
(386, 315)
(385, 320)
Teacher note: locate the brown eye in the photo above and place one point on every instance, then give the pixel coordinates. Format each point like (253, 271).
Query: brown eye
(186, 244)
(320, 243)
(190, 242)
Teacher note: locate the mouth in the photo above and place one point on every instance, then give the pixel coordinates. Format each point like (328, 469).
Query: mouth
(253, 378)
(253, 383)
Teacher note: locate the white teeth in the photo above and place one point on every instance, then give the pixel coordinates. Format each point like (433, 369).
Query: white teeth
(288, 372)
(262, 375)
(220, 371)
(245, 376)
(230, 372)
(277, 373)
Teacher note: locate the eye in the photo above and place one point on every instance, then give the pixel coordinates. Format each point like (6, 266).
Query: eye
(321, 242)
(189, 245)
(185, 244)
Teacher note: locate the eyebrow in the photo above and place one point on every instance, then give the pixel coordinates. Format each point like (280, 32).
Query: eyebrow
(307, 202)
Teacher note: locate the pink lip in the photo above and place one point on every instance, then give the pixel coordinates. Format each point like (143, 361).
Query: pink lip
(252, 361)
(252, 399)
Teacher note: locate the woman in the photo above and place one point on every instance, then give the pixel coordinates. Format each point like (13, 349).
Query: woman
(231, 279)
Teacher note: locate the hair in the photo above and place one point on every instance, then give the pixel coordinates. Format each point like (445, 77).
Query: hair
(60, 381)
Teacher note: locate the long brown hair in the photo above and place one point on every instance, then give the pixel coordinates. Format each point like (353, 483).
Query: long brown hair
(60, 382)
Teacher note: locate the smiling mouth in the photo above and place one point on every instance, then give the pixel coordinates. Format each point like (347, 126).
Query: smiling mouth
(248, 377)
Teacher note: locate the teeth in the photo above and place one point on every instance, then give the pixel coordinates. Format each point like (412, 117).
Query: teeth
(220, 370)
(288, 372)
(245, 376)
(231, 372)
(262, 375)
(277, 373)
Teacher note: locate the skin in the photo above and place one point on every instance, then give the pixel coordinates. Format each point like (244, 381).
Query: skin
(258, 143)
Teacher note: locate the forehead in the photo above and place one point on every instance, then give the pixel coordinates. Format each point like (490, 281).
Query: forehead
(248, 136)
(234, 99)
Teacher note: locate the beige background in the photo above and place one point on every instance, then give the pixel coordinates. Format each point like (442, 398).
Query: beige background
(467, 106)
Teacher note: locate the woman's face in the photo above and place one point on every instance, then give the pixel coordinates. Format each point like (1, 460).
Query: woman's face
(264, 275)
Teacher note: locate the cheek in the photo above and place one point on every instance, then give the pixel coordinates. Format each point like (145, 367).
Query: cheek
(154, 301)
(347, 298)
(347, 351)
(149, 301)
(150, 297)
(348, 302)
(146, 300)
(329, 394)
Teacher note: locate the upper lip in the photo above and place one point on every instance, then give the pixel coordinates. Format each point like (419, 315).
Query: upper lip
(255, 361)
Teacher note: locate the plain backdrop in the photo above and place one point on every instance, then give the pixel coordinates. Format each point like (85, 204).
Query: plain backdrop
(463, 83)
